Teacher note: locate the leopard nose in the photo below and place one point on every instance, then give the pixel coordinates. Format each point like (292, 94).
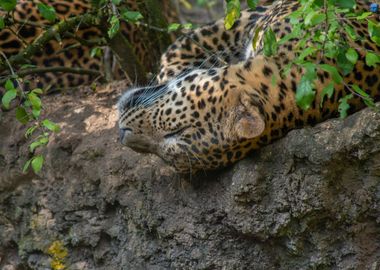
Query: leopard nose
(123, 134)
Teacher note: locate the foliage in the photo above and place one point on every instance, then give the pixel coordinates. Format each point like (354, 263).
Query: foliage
(320, 21)
(323, 33)
(29, 110)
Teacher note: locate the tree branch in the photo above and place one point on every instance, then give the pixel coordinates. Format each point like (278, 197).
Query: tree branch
(38, 44)
(39, 70)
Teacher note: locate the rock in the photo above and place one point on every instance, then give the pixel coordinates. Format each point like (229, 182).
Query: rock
(308, 201)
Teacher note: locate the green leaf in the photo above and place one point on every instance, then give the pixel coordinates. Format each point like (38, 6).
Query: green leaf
(21, 115)
(47, 12)
(131, 16)
(364, 15)
(173, 27)
(187, 26)
(344, 106)
(333, 72)
(350, 4)
(38, 91)
(2, 23)
(8, 97)
(352, 55)
(368, 100)
(96, 52)
(255, 38)
(50, 125)
(252, 4)
(296, 31)
(328, 90)
(114, 26)
(8, 5)
(374, 32)
(116, 2)
(26, 166)
(30, 131)
(372, 59)
(305, 53)
(38, 143)
(35, 101)
(305, 93)
(9, 85)
(36, 113)
(343, 63)
(232, 13)
(37, 163)
(270, 42)
(314, 18)
(351, 32)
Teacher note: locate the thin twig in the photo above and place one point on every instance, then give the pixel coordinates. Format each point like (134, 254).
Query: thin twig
(19, 83)
(39, 70)
(39, 43)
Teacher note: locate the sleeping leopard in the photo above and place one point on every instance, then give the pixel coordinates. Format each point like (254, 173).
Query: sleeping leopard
(213, 106)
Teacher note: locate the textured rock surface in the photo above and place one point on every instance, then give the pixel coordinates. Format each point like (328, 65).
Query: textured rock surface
(308, 201)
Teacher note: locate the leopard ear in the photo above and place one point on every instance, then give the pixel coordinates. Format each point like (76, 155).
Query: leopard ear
(249, 125)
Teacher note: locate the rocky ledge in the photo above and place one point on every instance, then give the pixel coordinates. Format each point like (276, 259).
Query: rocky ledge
(308, 201)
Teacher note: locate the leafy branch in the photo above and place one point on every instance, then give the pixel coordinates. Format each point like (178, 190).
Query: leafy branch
(323, 33)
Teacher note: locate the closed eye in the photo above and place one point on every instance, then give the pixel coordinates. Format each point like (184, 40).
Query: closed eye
(175, 133)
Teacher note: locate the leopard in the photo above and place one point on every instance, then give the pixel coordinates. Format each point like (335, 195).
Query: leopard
(206, 118)
(73, 50)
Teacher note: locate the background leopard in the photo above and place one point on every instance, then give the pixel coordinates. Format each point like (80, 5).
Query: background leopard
(211, 117)
(210, 46)
(68, 52)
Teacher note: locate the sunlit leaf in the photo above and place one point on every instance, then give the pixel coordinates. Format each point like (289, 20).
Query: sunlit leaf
(173, 27)
(26, 166)
(96, 52)
(305, 93)
(131, 16)
(270, 43)
(114, 26)
(374, 32)
(38, 91)
(37, 163)
(352, 55)
(9, 85)
(8, 97)
(50, 125)
(344, 106)
(232, 13)
(327, 91)
(333, 72)
(372, 59)
(368, 100)
(35, 101)
(48, 12)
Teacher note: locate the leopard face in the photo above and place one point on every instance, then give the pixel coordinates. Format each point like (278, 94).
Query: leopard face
(202, 120)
